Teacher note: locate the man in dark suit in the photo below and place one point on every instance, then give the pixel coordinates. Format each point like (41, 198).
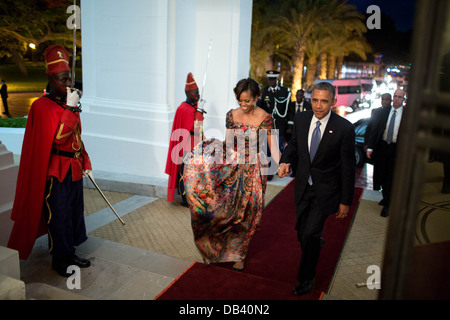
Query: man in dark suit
(299, 105)
(386, 100)
(324, 144)
(382, 146)
(4, 96)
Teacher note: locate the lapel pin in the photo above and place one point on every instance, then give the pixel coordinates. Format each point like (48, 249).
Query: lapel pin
(331, 131)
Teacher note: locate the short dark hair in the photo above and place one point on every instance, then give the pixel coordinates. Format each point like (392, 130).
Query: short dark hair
(247, 84)
(326, 86)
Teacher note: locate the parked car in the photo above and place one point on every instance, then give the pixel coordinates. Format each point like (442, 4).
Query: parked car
(360, 131)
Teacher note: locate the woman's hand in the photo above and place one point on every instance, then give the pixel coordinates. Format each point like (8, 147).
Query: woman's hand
(283, 169)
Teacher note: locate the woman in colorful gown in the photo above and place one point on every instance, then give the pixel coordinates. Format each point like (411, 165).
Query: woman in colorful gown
(226, 181)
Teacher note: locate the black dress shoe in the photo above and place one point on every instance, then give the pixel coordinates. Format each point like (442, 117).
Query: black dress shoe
(304, 287)
(82, 263)
(184, 204)
(60, 265)
(384, 212)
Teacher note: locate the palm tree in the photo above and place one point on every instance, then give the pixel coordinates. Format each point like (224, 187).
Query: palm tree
(341, 34)
(297, 25)
(348, 36)
(317, 46)
(312, 30)
(262, 50)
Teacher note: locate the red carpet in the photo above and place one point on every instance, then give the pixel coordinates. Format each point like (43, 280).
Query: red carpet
(272, 261)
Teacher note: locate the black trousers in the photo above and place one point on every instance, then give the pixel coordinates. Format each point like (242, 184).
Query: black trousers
(64, 208)
(181, 189)
(386, 165)
(5, 105)
(310, 223)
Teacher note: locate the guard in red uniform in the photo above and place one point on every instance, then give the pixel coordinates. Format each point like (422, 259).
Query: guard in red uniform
(49, 193)
(186, 133)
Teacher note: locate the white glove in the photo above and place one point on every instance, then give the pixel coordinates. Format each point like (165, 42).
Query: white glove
(88, 173)
(73, 97)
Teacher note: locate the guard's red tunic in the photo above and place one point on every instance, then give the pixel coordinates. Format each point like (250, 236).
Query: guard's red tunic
(49, 125)
(186, 122)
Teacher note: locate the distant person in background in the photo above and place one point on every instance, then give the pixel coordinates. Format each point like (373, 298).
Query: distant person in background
(386, 101)
(275, 100)
(382, 146)
(186, 133)
(4, 95)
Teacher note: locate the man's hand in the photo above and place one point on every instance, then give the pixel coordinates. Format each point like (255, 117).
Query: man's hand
(283, 169)
(369, 154)
(343, 211)
(73, 97)
(88, 173)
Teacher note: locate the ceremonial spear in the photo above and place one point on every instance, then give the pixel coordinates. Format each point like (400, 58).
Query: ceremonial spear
(89, 174)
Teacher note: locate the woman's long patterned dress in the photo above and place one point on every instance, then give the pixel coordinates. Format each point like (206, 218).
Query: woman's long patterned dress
(225, 186)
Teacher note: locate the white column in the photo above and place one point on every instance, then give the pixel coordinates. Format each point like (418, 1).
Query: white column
(136, 56)
(8, 180)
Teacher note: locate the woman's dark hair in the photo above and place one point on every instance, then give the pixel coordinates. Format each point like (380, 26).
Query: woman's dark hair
(247, 84)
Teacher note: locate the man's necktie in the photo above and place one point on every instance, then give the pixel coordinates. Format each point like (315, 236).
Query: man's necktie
(315, 140)
(390, 133)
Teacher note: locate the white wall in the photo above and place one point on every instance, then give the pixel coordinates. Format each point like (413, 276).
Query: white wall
(136, 56)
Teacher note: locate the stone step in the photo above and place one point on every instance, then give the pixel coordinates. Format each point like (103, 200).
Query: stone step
(11, 289)
(117, 272)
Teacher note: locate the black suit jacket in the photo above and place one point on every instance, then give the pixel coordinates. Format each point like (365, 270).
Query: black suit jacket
(378, 120)
(333, 167)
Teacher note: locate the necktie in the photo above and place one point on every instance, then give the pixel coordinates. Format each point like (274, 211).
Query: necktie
(298, 108)
(315, 140)
(390, 133)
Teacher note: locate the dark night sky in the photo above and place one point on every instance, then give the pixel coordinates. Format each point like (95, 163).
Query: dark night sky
(401, 11)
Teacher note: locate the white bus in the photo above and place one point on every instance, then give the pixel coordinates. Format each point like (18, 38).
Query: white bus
(354, 93)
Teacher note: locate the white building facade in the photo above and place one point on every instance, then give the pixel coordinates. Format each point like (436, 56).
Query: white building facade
(136, 57)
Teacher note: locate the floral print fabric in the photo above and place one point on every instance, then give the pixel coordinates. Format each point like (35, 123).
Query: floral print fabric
(225, 186)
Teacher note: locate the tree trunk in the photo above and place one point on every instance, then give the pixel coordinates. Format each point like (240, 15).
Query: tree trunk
(340, 62)
(331, 74)
(311, 71)
(299, 58)
(17, 58)
(323, 66)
